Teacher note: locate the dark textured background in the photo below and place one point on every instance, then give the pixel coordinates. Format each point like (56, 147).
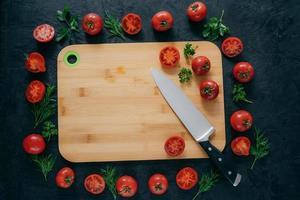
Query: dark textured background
(270, 31)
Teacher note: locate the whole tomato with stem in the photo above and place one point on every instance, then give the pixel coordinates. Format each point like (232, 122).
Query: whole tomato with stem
(126, 186)
(162, 21)
(92, 24)
(34, 144)
(158, 184)
(200, 65)
(65, 177)
(243, 72)
(241, 120)
(196, 11)
(209, 89)
(240, 146)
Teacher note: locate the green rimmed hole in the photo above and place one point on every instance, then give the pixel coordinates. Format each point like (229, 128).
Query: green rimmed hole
(71, 58)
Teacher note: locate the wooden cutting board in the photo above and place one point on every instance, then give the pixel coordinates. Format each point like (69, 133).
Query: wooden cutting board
(109, 108)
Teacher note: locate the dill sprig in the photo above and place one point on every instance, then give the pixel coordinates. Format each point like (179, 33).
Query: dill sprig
(207, 181)
(110, 177)
(45, 163)
(49, 130)
(113, 25)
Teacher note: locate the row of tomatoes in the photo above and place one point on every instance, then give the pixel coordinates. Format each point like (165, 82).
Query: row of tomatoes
(127, 186)
(131, 23)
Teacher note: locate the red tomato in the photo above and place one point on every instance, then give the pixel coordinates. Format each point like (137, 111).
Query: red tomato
(35, 91)
(65, 177)
(241, 120)
(35, 62)
(241, 146)
(200, 65)
(174, 146)
(187, 178)
(243, 72)
(158, 184)
(34, 144)
(44, 33)
(209, 89)
(92, 24)
(162, 21)
(126, 186)
(197, 11)
(232, 47)
(132, 23)
(169, 57)
(94, 183)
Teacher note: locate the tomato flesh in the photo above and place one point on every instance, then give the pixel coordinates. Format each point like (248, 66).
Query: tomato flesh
(65, 177)
(169, 57)
(44, 33)
(126, 186)
(232, 47)
(174, 146)
(35, 91)
(186, 178)
(35, 63)
(132, 23)
(34, 144)
(94, 184)
(241, 146)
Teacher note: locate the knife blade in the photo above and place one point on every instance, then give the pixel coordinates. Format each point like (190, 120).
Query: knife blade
(196, 123)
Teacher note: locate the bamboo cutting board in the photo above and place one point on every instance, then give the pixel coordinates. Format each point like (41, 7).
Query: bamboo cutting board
(109, 108)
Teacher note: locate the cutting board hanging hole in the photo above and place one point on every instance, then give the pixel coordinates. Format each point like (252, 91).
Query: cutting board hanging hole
(71, 58)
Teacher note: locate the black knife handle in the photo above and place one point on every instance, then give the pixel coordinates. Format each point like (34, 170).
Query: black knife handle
(219, 160)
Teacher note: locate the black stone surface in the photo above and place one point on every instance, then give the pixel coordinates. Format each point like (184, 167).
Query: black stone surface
(270, 32)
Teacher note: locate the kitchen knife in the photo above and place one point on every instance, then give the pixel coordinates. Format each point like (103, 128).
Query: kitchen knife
(199, 127)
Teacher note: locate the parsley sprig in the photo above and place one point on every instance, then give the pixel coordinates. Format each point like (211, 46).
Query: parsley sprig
(49, 130)
(110, 177)
(215, 28)
(261, 147)
(239, 94)
(71, 22)
(113, 25)
(185, 75)
(46, 108)
(45, 163)
(207, 181)
(189, 50)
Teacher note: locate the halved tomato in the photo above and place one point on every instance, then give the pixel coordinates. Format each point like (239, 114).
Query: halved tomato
(187, 178)
(35, 63)
(169, 57)
(240, 146)
(44, 33)
(94, 183)
(174, 146)
(132, 23)
(35, 91)
(232, 47)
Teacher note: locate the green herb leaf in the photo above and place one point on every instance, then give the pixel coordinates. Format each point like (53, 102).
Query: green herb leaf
(113, 25)
(261, 147)
(60, 15)
(189, 50)
(239, 93)
(63, 33)
(45, 163)
(49, 130)
(46, 108)
(71, 24)
(185, 75)
(215, 28)
(206, 182)
(110, 177)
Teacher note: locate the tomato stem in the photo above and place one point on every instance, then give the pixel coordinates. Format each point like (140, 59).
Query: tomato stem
(164, 23)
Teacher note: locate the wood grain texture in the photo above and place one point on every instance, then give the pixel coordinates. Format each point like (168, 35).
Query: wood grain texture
(109, 108)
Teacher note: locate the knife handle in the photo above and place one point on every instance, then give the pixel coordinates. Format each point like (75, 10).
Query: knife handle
(220, 161)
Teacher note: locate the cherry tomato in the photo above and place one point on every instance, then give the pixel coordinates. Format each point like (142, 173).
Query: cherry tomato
(174, 146)
(209, 89)
(35, 62)
(169, 57)
(158, 184)
(44, 33)
(240, 146)
(94, 184)
(34, 144)
(232, 47)
(243, 72)
(126, 186)
(241, 120)
(162, 21)
(187, 178)
(196, 11)
(132, 23)
(200, 65)
(92, 24)
(65, 177)
(35, 91)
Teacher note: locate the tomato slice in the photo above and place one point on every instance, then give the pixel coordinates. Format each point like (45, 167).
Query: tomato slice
(35, 63)
(232, 46)
(241, 146)
(94, 183)
(35, 91)
(169, 57)
(174, 146)
(132, 23)
(187, 178)
(44, 33)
